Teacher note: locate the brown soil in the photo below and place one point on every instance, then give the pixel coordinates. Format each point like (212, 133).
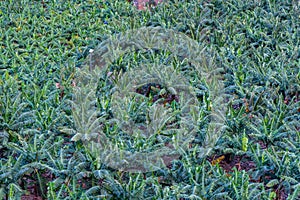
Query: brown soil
(144, 4)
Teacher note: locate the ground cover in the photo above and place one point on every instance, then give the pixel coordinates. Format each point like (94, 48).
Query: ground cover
(255, 44)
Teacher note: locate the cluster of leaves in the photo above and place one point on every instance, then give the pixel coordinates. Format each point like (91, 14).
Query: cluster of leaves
(42, 43)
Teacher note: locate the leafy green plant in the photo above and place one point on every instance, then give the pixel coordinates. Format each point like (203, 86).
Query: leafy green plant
(43, 44)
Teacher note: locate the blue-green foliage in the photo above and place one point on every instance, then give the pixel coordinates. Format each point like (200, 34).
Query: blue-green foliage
(256, 42)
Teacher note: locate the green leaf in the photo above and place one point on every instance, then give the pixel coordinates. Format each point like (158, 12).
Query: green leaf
(77, 137)
(272, 183)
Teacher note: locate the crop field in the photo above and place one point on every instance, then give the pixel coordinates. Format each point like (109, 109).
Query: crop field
(171, 100)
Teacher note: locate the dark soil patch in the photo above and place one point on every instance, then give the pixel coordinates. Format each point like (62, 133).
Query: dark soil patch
(229, 161)
(153, 89)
